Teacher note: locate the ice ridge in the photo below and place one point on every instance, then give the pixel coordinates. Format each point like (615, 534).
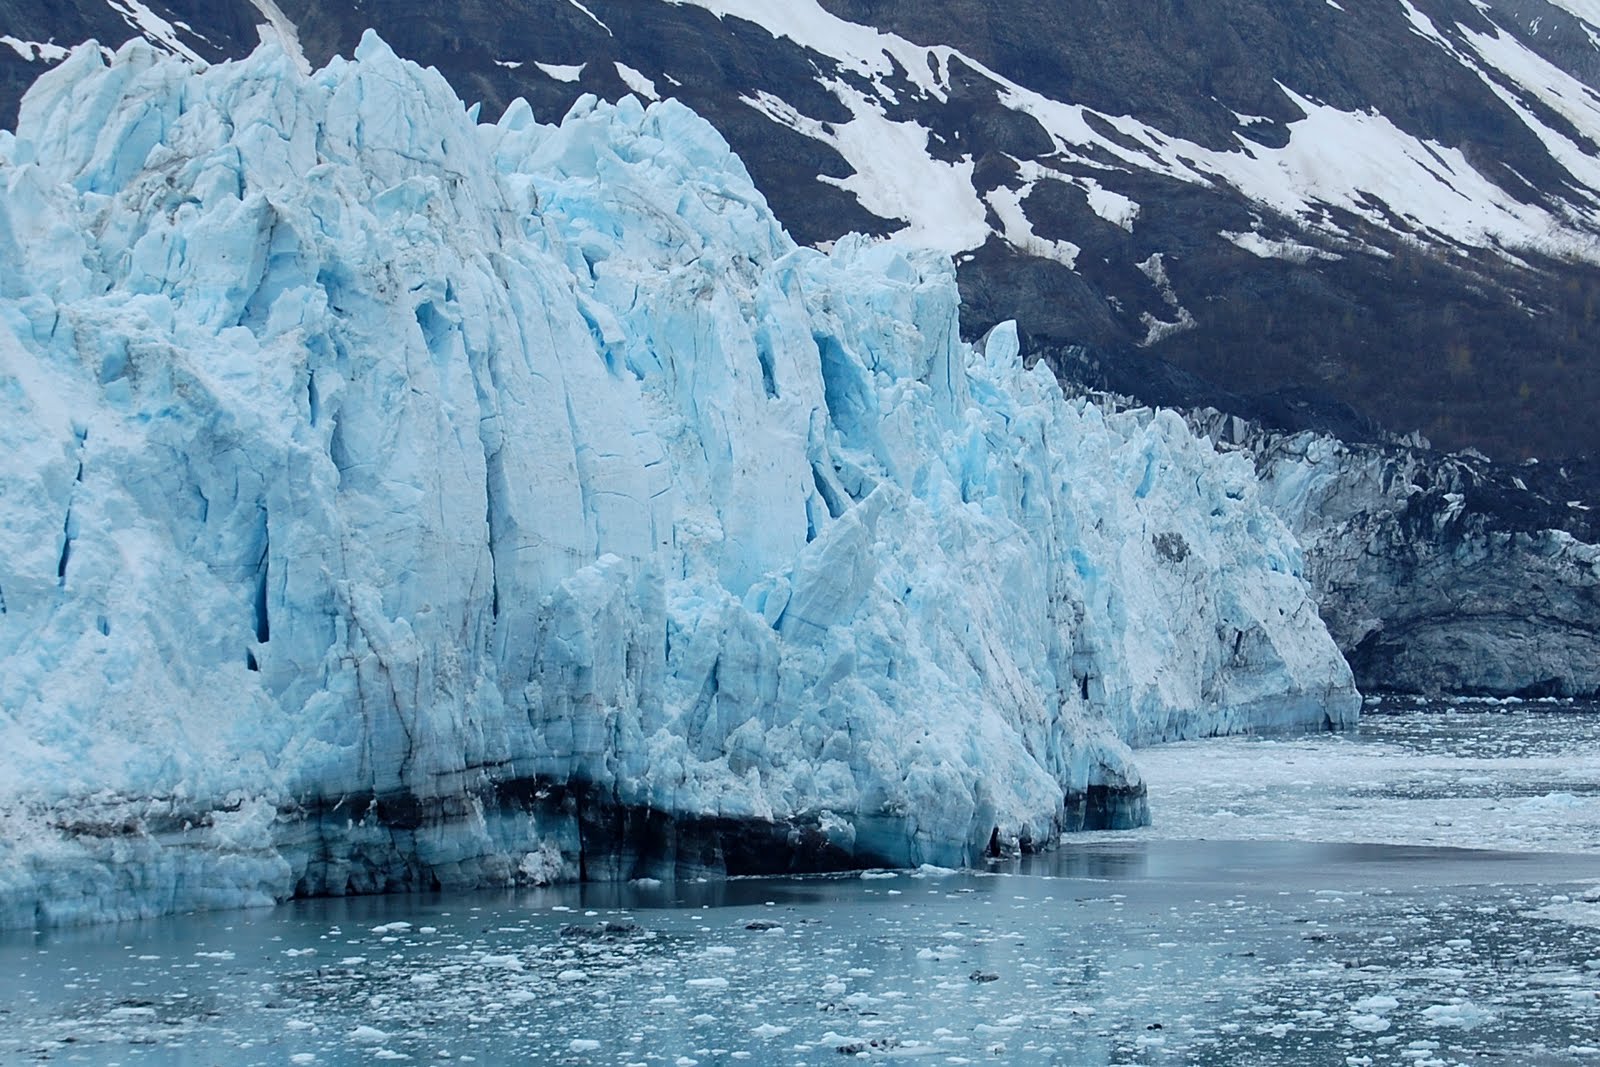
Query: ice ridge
(394, 501)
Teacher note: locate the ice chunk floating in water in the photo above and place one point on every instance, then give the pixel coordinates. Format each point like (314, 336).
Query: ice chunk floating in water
(392, 501)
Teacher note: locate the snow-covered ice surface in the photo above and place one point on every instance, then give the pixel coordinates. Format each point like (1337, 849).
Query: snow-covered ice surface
(381, 489)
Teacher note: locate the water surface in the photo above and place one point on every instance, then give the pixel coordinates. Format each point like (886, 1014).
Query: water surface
(1117, 949)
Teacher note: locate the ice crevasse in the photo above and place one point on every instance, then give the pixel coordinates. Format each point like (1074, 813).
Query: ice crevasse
(393, 501)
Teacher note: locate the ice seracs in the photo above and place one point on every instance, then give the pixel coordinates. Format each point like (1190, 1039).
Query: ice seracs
(392, 501)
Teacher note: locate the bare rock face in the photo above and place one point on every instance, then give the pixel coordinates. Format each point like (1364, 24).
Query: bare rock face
(1440, 573)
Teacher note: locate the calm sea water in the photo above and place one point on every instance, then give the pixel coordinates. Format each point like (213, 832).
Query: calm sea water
(1113, 950)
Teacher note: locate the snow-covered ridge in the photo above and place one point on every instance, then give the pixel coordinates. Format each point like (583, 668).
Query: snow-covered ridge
(1354, 162)
(391, 501)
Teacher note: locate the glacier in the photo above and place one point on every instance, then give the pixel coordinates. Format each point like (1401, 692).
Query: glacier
(395, 501)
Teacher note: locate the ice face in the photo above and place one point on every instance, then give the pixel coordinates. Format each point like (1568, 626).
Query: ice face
(394, 501)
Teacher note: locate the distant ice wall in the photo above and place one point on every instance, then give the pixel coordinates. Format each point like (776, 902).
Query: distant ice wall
(1442, 572)
(388, 501)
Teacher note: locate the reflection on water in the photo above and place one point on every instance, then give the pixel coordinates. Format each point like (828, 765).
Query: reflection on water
(1090, 860)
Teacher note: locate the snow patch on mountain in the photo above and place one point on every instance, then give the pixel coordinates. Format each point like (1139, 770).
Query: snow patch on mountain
(895, 175)
(637, 81)
(1119, 210)
(1587, 10)
(154, 27)
(858, 49)
(1018, 231)
(1423, 26)
(563, 72)
(1268, 248)
(1557, 90)
(1355, 161)
(1359, 162)
(592, 17)
(34, 51)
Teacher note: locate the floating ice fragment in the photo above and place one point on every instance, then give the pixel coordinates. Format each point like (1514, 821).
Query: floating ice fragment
(1463, 1014)
(132, 1012)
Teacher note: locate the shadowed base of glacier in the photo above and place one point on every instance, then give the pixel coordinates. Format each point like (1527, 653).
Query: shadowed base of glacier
(115, 861)
(543, 831)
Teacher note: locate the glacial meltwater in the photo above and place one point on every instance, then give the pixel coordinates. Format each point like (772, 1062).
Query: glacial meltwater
(1300, 900)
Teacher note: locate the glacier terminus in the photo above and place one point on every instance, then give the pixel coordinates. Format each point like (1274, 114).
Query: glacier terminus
(394, 501)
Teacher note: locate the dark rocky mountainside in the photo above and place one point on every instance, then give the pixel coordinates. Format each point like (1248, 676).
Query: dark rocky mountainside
(1344, 224)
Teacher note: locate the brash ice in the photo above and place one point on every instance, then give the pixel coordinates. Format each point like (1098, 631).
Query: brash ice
(392, 501)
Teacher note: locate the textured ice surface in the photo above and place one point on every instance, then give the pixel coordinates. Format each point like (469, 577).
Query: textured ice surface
(1428, 575)
(371, 477)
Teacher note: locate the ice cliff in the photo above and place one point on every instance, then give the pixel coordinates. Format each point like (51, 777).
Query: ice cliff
(393, 501)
